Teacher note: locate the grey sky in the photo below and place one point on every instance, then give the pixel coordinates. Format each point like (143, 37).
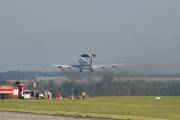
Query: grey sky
(142, 33)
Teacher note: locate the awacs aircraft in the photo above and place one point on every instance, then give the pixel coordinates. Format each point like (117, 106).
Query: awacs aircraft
(86, 63)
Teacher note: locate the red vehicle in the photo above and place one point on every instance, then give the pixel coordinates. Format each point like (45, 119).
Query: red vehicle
(12, 91)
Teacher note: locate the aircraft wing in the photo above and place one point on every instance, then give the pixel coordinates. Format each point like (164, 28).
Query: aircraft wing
(66, 66)
(106, 66)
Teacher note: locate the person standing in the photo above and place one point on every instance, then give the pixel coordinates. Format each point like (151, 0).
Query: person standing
(82, 94)
(58, 95)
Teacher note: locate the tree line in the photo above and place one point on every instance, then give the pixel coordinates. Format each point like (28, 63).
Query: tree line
(27, 75)
(108, 87)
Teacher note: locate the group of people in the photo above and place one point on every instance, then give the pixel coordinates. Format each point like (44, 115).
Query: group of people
(48, 95)
(45, 95)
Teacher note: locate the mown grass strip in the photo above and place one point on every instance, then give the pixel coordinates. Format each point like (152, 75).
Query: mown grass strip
(122, 108)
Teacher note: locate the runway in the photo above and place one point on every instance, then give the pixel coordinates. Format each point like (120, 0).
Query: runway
(28, 116)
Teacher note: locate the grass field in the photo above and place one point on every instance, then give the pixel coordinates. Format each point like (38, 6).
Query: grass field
(130, 108)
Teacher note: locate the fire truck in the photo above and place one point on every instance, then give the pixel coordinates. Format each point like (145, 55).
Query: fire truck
(12, 91)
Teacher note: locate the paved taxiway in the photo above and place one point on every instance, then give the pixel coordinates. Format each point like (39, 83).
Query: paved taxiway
(28, 116)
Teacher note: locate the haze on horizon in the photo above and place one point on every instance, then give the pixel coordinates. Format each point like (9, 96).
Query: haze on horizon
(142, 33)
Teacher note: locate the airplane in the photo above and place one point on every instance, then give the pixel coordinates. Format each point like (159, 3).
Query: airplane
(86, 63)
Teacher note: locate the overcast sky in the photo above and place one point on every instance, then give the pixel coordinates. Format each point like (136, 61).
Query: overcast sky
(145, 34)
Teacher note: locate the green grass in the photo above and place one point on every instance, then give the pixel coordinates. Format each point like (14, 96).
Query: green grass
(106, 107)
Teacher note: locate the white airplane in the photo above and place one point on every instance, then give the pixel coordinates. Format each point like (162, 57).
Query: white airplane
(86, 63)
